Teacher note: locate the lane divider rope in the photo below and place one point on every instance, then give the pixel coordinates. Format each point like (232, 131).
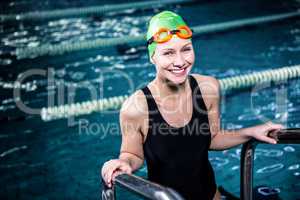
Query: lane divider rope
(59, 49)
(86, 11)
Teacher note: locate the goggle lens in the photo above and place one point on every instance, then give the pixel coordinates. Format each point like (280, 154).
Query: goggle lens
(162, 36)
(184, 32)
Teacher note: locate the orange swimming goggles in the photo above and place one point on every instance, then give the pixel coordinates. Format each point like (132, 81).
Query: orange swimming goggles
(165, 34)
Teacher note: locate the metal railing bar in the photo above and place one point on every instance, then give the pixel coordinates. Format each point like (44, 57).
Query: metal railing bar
(141, 187)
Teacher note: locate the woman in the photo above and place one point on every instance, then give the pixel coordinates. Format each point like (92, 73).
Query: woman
(174, 120)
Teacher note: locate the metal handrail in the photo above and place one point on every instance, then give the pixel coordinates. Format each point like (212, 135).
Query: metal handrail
(285, 136)
(140, 186)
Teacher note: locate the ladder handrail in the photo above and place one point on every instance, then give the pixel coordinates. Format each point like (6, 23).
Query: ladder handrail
(140, 186)
(284, 136)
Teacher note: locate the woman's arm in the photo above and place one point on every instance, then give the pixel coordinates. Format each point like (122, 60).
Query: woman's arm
(223, 139)
(131, 121)
(131, 153)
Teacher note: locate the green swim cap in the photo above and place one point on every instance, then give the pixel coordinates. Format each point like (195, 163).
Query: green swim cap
(164, 19)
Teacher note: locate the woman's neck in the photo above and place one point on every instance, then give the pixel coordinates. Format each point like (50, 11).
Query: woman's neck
(165, 88)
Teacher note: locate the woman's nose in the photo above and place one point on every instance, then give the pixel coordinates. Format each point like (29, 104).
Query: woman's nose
(178, 60)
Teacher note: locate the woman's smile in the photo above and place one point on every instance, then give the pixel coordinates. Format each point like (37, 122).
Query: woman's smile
(179, 71)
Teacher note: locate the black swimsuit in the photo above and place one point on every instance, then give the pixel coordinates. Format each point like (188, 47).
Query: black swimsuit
(178, 157)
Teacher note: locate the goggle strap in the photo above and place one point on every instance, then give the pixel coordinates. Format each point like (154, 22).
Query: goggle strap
(150, 40)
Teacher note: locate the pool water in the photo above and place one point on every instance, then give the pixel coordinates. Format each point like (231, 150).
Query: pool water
(62, 159)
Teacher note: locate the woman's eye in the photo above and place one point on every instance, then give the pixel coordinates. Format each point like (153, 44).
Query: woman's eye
(168, 53)
(187, 49)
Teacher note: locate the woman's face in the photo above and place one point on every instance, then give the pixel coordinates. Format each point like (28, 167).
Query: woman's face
(174, 59)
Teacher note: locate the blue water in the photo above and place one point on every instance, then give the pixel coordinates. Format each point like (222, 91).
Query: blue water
(61, 160)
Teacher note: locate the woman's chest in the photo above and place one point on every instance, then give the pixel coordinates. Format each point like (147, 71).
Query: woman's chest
(168, 145)
(176, 113)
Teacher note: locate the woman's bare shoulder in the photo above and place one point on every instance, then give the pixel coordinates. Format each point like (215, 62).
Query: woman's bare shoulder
(135, 106)
(210, 89)
(205, 79)
(208, 84)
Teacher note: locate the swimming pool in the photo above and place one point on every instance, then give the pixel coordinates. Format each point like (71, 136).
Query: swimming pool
(56, 160)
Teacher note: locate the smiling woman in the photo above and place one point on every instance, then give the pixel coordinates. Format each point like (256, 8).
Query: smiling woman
(174, 121)
(170, 47)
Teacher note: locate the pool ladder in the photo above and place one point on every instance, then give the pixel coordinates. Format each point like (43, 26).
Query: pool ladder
(150, 190)
(285, 136)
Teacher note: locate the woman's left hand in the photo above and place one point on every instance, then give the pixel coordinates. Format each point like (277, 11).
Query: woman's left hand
(260, 132)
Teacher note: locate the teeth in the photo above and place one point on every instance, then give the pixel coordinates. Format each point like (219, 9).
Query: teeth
(177, 70)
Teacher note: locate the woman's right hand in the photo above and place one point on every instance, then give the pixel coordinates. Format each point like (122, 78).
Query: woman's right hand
(113, 168)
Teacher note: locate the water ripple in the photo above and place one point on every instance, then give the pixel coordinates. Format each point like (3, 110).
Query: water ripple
(270, 168)
(12, 150)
